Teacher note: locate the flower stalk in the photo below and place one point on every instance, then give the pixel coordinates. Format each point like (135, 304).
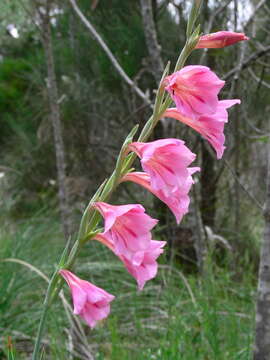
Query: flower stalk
(50, 290)
(91, 216)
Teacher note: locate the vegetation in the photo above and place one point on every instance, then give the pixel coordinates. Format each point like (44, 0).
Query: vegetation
(177, 316)
(183, 313)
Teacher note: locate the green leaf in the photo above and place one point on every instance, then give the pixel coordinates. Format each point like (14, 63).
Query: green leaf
(194, 13)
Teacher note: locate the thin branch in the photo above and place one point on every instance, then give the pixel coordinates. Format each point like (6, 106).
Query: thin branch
(60, 153)
(257, 8)
(31, 16)
(248, 62)
(259, 206)
(151, 39)
(108, 52)
(260, 81)
(6, 168)
(267, 9)
(215, 14)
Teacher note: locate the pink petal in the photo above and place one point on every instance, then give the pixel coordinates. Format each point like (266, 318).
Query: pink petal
(90, 301)
(220, 39)
(177, 200)
(78, 294)
(129, 232)
(142, 266)
(210, 126)
(147, 270)
(111, 212)
(194, 90)
(165, 161)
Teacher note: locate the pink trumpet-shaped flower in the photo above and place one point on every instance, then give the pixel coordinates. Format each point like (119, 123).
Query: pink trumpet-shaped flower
(91, 303)
(148, 267)
(194, 90)
(220, 39)
(127, 229)
(178, 200)
(145, 267)
(211, 126)
(166, 162)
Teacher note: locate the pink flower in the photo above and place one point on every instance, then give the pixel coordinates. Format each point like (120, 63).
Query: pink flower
(178, 200)
(220, 39)
(210, 126)
(166, 162)
(127, 229)
(90, 302)
(194, 90)
(145, 267)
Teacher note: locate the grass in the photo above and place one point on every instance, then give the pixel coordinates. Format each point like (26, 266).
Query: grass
(177, 316)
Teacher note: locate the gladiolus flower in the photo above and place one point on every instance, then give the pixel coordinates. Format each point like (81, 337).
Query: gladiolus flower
(194, 90)
(91, 303)
(178, 199)
(145, 266)
(127, 228)
(211, 127)
(220, 39)
(148, 267)
(166, 162)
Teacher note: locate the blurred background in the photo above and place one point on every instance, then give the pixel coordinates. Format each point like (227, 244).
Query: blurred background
(201, 304)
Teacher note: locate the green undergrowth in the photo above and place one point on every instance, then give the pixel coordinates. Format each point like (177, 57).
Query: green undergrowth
(177, 316)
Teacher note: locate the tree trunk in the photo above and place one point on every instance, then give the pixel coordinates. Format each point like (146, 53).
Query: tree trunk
(151, 39)
(199, 235)
(56, 123)
(208, 187)
(262, 335)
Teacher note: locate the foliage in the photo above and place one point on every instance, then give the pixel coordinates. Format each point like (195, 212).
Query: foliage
(179, 315)
(176, 316)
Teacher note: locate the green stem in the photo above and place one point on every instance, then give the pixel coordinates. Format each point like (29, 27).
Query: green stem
(54, 287)
(50, 289)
